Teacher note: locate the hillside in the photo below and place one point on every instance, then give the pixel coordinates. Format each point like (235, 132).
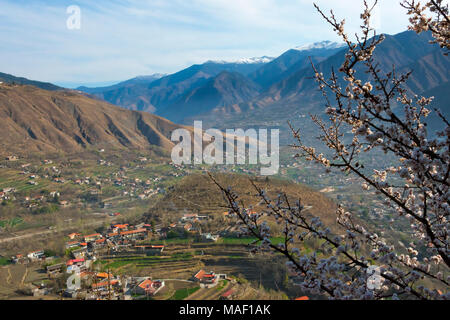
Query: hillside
(197, 193)
(36, 120)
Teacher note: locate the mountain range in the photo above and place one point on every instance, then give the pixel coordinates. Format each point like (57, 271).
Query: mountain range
(200, 88)
(269, 91)
(256, 92)
(154, 94)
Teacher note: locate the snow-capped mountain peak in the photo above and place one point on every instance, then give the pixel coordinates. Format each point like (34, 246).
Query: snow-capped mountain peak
(254, 60)
(151, 76)
(320, 45)
(263, 59)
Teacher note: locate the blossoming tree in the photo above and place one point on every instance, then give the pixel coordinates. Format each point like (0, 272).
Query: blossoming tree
(358, 263)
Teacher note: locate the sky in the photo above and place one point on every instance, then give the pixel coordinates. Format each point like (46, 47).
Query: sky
(121, 39)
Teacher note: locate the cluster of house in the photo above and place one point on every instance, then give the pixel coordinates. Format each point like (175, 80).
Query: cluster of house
(34, 201)
(83, 251)
(131, 187)
(104, 163)
(116, 237)
(103, 285)
(191, 222)
(35, 256)
(137, 187)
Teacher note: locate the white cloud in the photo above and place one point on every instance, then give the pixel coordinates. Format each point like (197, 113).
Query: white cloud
(123, 38)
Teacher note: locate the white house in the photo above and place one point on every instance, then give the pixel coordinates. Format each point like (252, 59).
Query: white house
(36, 255)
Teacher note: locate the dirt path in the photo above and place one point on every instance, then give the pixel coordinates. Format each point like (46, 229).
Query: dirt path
(9, 277)
(24, 276)
(47, 231)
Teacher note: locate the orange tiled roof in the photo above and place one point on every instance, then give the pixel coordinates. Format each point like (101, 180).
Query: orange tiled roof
(71, 262)
(121, 226)
(200, 274)
(104, 283)
(132, 232)
(145, 284)
(104, 275)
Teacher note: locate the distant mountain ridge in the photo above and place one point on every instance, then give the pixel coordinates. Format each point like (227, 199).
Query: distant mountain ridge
(134, 81)
(155, 95)
(184, 94)
(296, 95)
(7, 78)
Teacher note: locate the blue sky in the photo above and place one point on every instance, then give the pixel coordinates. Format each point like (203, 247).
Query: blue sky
(120, 39)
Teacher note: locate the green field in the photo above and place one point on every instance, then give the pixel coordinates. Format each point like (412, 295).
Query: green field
(4, 261)
(10, 223)
(227, 241)
(247, 241)
(182, 294)
(143, 261)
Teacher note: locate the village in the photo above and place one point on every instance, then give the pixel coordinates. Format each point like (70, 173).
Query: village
(38, 186)
(178, 257)
(119, 240)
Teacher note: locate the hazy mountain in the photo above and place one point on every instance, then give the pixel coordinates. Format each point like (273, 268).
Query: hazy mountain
(226, 89)
(144, 80)
(266, 91)
(407, 51)
(293, 60)
(297, 95)
(36, 120)
(7, 78)
(156, 95)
